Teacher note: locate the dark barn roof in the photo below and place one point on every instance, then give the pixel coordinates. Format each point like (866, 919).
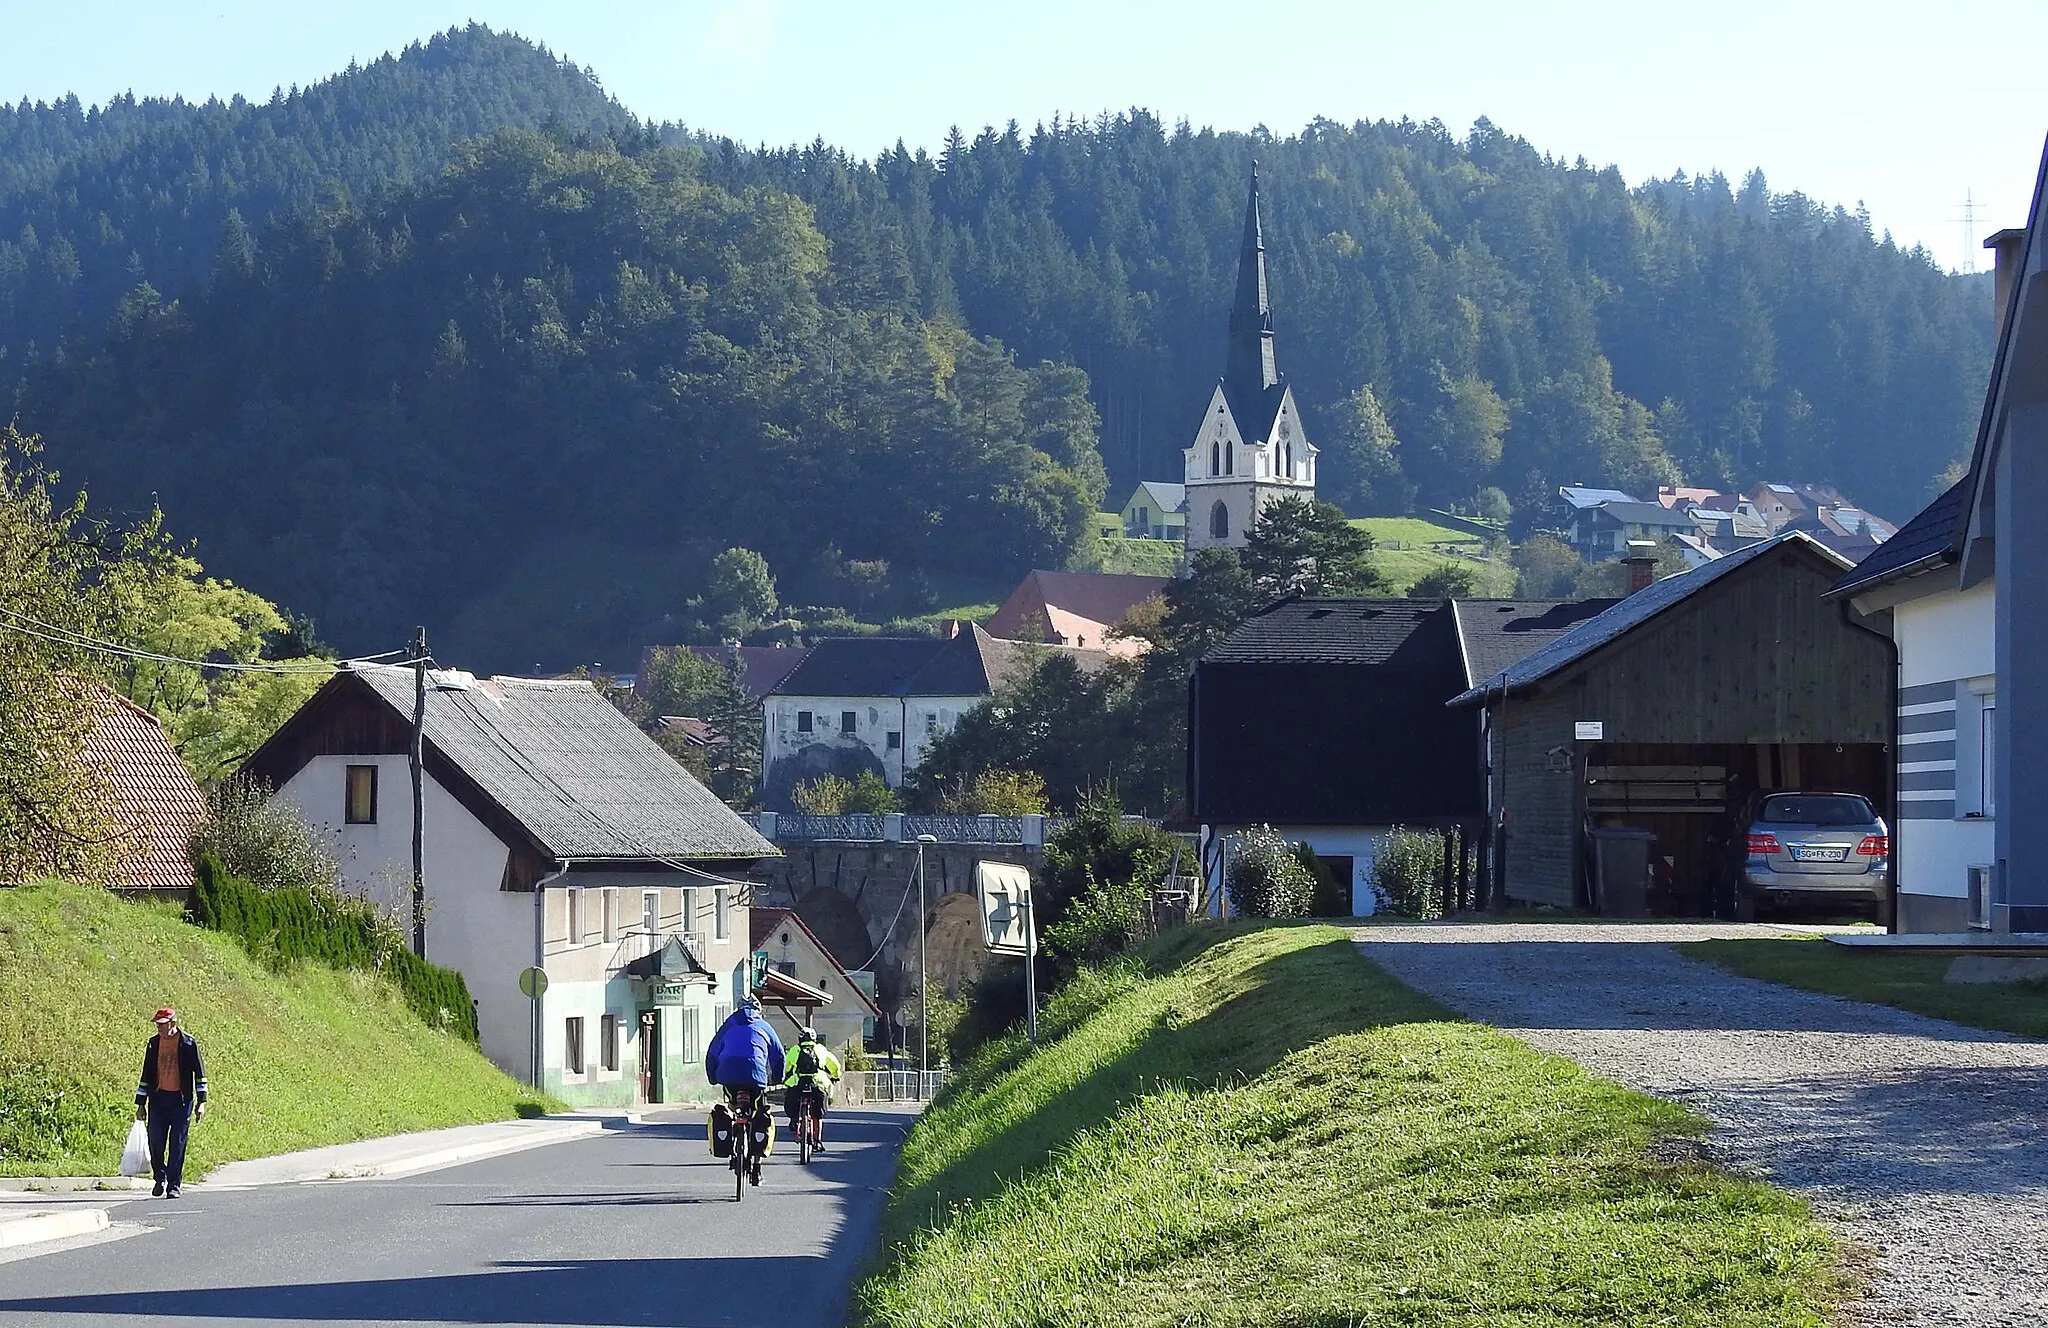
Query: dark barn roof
(1332, 711)
(1927, 540)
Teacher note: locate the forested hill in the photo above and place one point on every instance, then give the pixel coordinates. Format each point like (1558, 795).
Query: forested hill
(525, 386)
(1523, 321)
(95, 201)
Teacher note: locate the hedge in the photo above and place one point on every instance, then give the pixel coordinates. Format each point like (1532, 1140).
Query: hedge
(292, 923)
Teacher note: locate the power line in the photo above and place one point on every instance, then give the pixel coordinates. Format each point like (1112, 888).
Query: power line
(65, 636)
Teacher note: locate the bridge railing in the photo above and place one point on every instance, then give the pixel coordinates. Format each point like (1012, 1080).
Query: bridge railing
(891, 1085)
(903, 828)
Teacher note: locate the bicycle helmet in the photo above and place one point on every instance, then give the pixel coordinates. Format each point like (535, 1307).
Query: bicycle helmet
(807, 1034)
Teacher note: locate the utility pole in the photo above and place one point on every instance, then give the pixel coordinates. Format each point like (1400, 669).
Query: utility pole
(924, 1029)
(419, 801)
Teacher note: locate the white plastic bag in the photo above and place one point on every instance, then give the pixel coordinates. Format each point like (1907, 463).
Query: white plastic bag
(135, 1157)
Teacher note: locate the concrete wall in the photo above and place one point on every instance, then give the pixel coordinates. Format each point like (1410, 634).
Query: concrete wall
(791, 756)
(1360, 843)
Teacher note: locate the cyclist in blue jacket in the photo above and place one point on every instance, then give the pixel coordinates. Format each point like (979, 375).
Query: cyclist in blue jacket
(745, 1056)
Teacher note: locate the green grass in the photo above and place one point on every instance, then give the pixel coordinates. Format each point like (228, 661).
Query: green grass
(1140, 557)
(1256, 1126)
(1902, 979)
(1411, 531)
(294, 1060)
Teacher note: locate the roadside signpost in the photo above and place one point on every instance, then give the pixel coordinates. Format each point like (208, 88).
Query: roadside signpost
(533, 984)
(1007, 926)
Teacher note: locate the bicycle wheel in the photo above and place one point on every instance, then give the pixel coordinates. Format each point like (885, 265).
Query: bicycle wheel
(803, 1133)
(739, 1173)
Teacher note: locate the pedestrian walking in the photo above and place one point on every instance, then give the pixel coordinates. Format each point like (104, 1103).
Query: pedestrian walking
(172, 1094)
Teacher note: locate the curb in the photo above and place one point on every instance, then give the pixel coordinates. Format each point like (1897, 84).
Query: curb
(40, 1227)
(418, 1162)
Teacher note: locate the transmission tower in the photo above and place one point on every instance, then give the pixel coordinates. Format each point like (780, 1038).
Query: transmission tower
(1969, 232)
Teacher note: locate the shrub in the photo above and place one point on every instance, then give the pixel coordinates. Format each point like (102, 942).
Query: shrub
(1266, 879)
(996, 793)
(1099, 845)
(1407, 873)
(1332, 896)
(944, 1014)
(829, 795)
(992, 1005)
(1109, 918)
(261, 839)
(290, 923)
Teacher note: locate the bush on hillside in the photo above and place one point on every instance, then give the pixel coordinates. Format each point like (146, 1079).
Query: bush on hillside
(1266, 879)
(1099, 845)
(996, 793)
(992, 1005)
(1109, 918)
(261, 839)
(1407, 873)
(292, 923)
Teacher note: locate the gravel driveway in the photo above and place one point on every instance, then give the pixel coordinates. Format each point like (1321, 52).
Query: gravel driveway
(1919, 1139)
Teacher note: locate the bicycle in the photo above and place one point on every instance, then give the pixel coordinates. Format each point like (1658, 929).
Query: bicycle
(809, 1101)
(746, 1166)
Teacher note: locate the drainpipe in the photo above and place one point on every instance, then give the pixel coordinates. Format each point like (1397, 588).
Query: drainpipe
(540, 958)
(1891, 646)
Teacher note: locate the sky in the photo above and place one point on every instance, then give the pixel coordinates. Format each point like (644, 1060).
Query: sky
(1904, 108)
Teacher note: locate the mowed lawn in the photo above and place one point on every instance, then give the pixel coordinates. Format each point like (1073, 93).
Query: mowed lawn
(294, 1060)
(1900, 978)
(1256, 1126)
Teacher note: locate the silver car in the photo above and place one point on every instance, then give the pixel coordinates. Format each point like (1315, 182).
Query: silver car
(1816, 847)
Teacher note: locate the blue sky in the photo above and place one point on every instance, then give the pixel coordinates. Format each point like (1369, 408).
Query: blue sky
(1903, 107)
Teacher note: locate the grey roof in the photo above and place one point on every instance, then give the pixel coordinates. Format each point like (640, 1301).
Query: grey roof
(971, 663)
(1928, 538)
(1167, 497)
(1645, 514)
(1578, 495)
(1498, 632)
(1627, 614)
(1326, 631)
(574, 772)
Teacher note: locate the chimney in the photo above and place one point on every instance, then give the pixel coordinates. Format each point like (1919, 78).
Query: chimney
(2007, 245)
(1641, 562)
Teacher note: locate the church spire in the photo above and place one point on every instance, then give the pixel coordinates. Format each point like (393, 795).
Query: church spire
(1248, 369)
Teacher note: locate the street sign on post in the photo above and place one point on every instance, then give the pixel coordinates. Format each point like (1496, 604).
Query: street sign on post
(533, 984)
(1007, 926)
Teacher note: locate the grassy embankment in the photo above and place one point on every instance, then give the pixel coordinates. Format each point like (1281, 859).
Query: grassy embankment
(1898, 978)
(1402, 551)
(294, 1060)
(1265, 1129)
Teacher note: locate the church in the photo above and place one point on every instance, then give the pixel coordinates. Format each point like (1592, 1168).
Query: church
(1250, 449)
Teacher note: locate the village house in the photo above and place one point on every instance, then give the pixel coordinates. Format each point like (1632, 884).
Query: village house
(1944, 590)
(1156, 510)
(1604, 529)
(874, 703)
(794, 951)
(1074, 609)
(557, 836)
(153, 802)
(1250, 449)
(1668, 711)
(1326, 719)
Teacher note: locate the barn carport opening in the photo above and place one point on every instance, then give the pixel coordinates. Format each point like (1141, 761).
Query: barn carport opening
(1695, 801)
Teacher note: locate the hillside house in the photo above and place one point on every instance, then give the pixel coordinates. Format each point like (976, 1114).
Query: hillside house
(1326, 719)
(794, 950)
(1156, 510)
(557, 835)
(1604, 529)
(1074, 609)
(861, 704)
(1668, 710)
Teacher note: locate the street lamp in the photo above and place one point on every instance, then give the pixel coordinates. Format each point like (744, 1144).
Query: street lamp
(924, 1030)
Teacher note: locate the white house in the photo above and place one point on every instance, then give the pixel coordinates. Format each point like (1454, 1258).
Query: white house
(1250, 449)
(556, 835)
(795, 951)
(1966, 629)
(875, 703)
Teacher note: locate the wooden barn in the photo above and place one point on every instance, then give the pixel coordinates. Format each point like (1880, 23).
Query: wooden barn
(1670, 710)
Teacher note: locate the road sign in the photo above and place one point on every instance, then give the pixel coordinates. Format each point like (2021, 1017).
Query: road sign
(1005, 892)
(533, 983)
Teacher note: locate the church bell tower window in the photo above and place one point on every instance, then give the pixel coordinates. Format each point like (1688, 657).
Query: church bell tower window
(1230, 458)
(1219, 521)
(1215, 458)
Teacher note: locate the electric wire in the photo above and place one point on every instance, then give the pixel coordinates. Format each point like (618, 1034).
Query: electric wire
(64, 636)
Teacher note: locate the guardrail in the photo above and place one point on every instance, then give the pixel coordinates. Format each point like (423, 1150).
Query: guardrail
(894, 1085)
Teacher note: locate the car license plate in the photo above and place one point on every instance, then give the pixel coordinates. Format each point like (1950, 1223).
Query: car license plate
(1817, 853)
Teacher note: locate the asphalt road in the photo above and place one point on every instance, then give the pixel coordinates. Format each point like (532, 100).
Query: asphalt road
(633, 1227)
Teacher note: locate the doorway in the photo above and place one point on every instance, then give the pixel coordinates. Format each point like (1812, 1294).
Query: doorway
(650, 1054)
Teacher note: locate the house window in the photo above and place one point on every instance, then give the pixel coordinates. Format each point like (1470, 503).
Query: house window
(931, 723)
(1987, 751)
(1215, 458)
(848, 721)
(689, 909)
(693, 1038)
(787, 967)
(721, 922)
(650, 912)
(572, 1045)
(895, 741)
(576, 917)
(719, 1014)
(803, 721)
(610, 903)
(1219, 521)
(608, 1041)
(361, 806)
(1230, 458)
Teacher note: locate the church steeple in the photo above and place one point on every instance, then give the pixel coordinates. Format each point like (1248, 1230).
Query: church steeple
(1248, 368)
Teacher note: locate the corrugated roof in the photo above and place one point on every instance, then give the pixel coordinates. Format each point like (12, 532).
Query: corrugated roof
(1629, 613)
(1929, 535)
(574, 772)
(1579, 495)
(1645, 514)
(1326, 631)
(1498, 632)
(156, 802)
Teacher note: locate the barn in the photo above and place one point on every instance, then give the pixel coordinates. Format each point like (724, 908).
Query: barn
(1669, 711)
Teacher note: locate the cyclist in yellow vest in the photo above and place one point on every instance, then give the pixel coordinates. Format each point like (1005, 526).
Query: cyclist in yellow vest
(809, 1065)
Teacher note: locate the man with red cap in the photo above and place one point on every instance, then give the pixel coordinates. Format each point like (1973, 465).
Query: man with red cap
(171, 1095)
